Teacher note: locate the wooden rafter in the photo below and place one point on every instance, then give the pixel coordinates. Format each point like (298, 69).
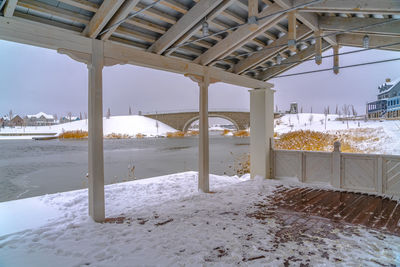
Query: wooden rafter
(268, 52)
(102, 17)
(353, 6)
(10, 7)
(218, 10)
(309, 19)
(290, 62)
(342, 24)
(122, 13)
(356, 40)
(238, 36)
(193, 16)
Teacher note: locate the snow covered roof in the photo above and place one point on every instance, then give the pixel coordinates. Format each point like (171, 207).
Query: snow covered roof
(40, 114)
(387, 86)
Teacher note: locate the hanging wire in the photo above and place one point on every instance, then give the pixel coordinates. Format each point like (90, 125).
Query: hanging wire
(310, 39)
(130, 16)
(327, 56)
(342, 67)
(239, 25)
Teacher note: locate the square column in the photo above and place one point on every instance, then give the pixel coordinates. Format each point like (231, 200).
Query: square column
(204, 168)
(96, 158)
(261, 131)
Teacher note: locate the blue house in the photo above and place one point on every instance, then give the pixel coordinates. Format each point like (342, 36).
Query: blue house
(388, 103)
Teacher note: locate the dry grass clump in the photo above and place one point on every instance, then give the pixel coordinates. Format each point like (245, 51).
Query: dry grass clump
(139, 135)
(192, 133)
(241, 133)
(351, 140)
(73, 135)
(225, 132)
(117, 136)
(177, 134)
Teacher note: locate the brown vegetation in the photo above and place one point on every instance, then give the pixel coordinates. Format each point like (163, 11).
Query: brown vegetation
(73, 135)
(225, 132)
(317, 141)
(241, 133)
(117, 136)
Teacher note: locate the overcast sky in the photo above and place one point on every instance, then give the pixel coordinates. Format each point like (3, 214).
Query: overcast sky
(34, 79)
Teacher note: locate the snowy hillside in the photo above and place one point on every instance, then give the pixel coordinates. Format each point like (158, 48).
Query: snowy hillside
(130, 125)
(167, 222)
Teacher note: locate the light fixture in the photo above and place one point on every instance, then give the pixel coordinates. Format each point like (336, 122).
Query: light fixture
(278, 59)
(366, 41)
(205, 28)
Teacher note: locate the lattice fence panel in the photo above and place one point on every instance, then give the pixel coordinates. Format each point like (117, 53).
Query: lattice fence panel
(392, 176)
(318, 167)
(287, 164)
(359, 173)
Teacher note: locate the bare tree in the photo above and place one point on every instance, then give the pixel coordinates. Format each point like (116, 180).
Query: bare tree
(326, 112)
(311, 110)
(310, 119)
(108, 113)
(80, 115)
(346, 113)
(10, 115)
(337, 110)
(130, 110)
(70, 116)
(301, 110)
(85, 114)
(353, 111)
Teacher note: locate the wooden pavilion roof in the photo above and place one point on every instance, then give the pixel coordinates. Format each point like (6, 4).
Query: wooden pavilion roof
(169, 35)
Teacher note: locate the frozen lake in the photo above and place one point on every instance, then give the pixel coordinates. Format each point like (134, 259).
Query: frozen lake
(31, 168)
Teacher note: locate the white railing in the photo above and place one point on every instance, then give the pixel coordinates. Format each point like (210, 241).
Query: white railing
(370, 173)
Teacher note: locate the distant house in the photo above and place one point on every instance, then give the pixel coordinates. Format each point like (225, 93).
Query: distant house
(1, 122)
(16, 121)
(388, 103)
(69, 119)
(40, 119)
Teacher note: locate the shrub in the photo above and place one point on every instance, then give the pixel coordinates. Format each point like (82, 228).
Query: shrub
(241, 133)
(73, 135)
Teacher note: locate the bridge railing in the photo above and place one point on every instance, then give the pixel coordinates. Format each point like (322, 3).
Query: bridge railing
(194, 110)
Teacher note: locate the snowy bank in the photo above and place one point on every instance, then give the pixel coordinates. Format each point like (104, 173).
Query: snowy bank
(168, 223)
(124, 125)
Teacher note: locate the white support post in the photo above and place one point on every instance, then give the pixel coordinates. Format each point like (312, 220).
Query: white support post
(96, 158)
(204, 168)
(336, 168)
(262, 131)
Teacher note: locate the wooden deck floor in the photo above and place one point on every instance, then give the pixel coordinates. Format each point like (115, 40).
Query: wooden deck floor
(309, 207)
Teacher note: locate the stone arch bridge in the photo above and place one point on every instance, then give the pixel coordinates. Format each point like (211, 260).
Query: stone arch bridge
(182, 120)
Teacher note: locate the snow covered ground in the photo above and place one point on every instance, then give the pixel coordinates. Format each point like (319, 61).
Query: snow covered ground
(169, 223)
(388, 131)
(130, 125)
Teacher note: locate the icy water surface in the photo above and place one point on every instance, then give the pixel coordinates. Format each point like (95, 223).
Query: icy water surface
(31, 168)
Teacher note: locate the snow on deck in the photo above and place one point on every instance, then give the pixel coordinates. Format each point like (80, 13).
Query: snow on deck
(165, 221)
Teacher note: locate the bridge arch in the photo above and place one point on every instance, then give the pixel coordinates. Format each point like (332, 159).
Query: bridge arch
(191, 120)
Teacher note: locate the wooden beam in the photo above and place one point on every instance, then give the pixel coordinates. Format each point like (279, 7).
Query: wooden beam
(253, 8)
(268, 52)
(309, 19)
(238, 36)
(292, 31)
(353, 6)
(218, 10)
(42, 35)
(193, 16)
(82, 4)
(356, 40)
(10, 7)
(341, 24)
(290, 62)
(318, 47)
(121, 14)
(336, 59)
(102, 17)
